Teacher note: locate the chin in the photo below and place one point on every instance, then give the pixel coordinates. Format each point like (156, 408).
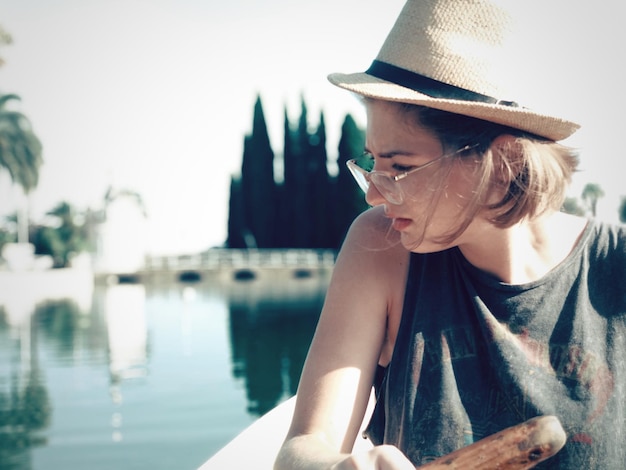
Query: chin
(421, 245)
(414, 243)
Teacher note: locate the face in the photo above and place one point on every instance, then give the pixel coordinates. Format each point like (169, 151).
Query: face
(434, 198)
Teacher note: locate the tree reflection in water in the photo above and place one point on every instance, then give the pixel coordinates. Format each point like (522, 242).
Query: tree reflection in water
(24, 401)
(139, 338)
(270, 333)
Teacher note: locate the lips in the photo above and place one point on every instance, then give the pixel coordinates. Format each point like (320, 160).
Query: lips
(397, 223)
(400, 223)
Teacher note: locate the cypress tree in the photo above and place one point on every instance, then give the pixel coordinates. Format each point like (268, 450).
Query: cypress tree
(310, 209)
(289, 187)
(319, 189)
(257, 181)
(301, 221)
(350, 200)
(236, 223)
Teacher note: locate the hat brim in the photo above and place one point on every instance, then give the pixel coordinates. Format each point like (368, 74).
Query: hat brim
(551, 127)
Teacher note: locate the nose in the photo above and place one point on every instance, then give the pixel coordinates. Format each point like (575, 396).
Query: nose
(373, 196)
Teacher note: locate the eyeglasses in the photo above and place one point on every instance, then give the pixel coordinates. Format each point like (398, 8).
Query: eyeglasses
(387, 183)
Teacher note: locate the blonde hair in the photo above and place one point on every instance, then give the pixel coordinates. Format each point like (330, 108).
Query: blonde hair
(531, 173)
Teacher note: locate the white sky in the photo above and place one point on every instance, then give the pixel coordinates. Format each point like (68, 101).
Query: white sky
(156, 96)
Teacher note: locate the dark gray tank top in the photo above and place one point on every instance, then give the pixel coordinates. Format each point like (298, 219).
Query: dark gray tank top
(474, 355)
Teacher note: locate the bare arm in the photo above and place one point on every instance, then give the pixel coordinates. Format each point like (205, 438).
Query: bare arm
(365, 292)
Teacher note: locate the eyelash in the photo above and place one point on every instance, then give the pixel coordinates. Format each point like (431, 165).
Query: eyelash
(396, 167)
(402, 168)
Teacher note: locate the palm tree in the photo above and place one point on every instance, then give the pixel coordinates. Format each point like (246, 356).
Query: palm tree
(622, 210)
(571, 206)
(591, 193)
(5, 40)
(20, 153)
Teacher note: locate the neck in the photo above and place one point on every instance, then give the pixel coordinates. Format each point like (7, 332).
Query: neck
(527, 251)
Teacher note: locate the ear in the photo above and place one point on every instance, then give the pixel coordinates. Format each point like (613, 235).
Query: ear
(508, 160)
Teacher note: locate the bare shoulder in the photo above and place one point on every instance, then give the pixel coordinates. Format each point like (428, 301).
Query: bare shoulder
(374, 264)
(371, 238)
(372, 254)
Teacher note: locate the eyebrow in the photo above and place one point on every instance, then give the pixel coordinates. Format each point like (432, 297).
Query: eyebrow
(391, 154)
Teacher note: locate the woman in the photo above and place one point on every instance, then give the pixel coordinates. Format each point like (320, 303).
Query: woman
(463, 295)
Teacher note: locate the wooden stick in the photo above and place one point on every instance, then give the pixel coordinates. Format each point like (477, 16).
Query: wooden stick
(516, 448)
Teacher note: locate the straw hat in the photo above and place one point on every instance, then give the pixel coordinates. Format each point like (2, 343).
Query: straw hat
(452, 55)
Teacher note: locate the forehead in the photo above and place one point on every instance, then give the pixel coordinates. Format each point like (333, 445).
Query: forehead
(390, 127)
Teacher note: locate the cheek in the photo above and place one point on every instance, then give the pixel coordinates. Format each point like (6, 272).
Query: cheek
(460, 189)
(464, 182)
(455, 197)
(445, 196)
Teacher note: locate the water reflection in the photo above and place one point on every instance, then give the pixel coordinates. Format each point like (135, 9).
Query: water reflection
(127, 332)
(25, 409)
(269, 335)
(24, 401)
(112, 332)
(60, 323)
(142, 360)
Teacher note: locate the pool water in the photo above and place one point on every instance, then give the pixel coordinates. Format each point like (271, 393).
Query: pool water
(156, 376)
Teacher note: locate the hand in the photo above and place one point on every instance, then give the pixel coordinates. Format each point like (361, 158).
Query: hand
(385, 457)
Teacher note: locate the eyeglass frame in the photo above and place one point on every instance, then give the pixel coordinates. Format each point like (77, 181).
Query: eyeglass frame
(364, 178)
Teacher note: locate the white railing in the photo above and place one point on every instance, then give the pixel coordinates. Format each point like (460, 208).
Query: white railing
(252, 258)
